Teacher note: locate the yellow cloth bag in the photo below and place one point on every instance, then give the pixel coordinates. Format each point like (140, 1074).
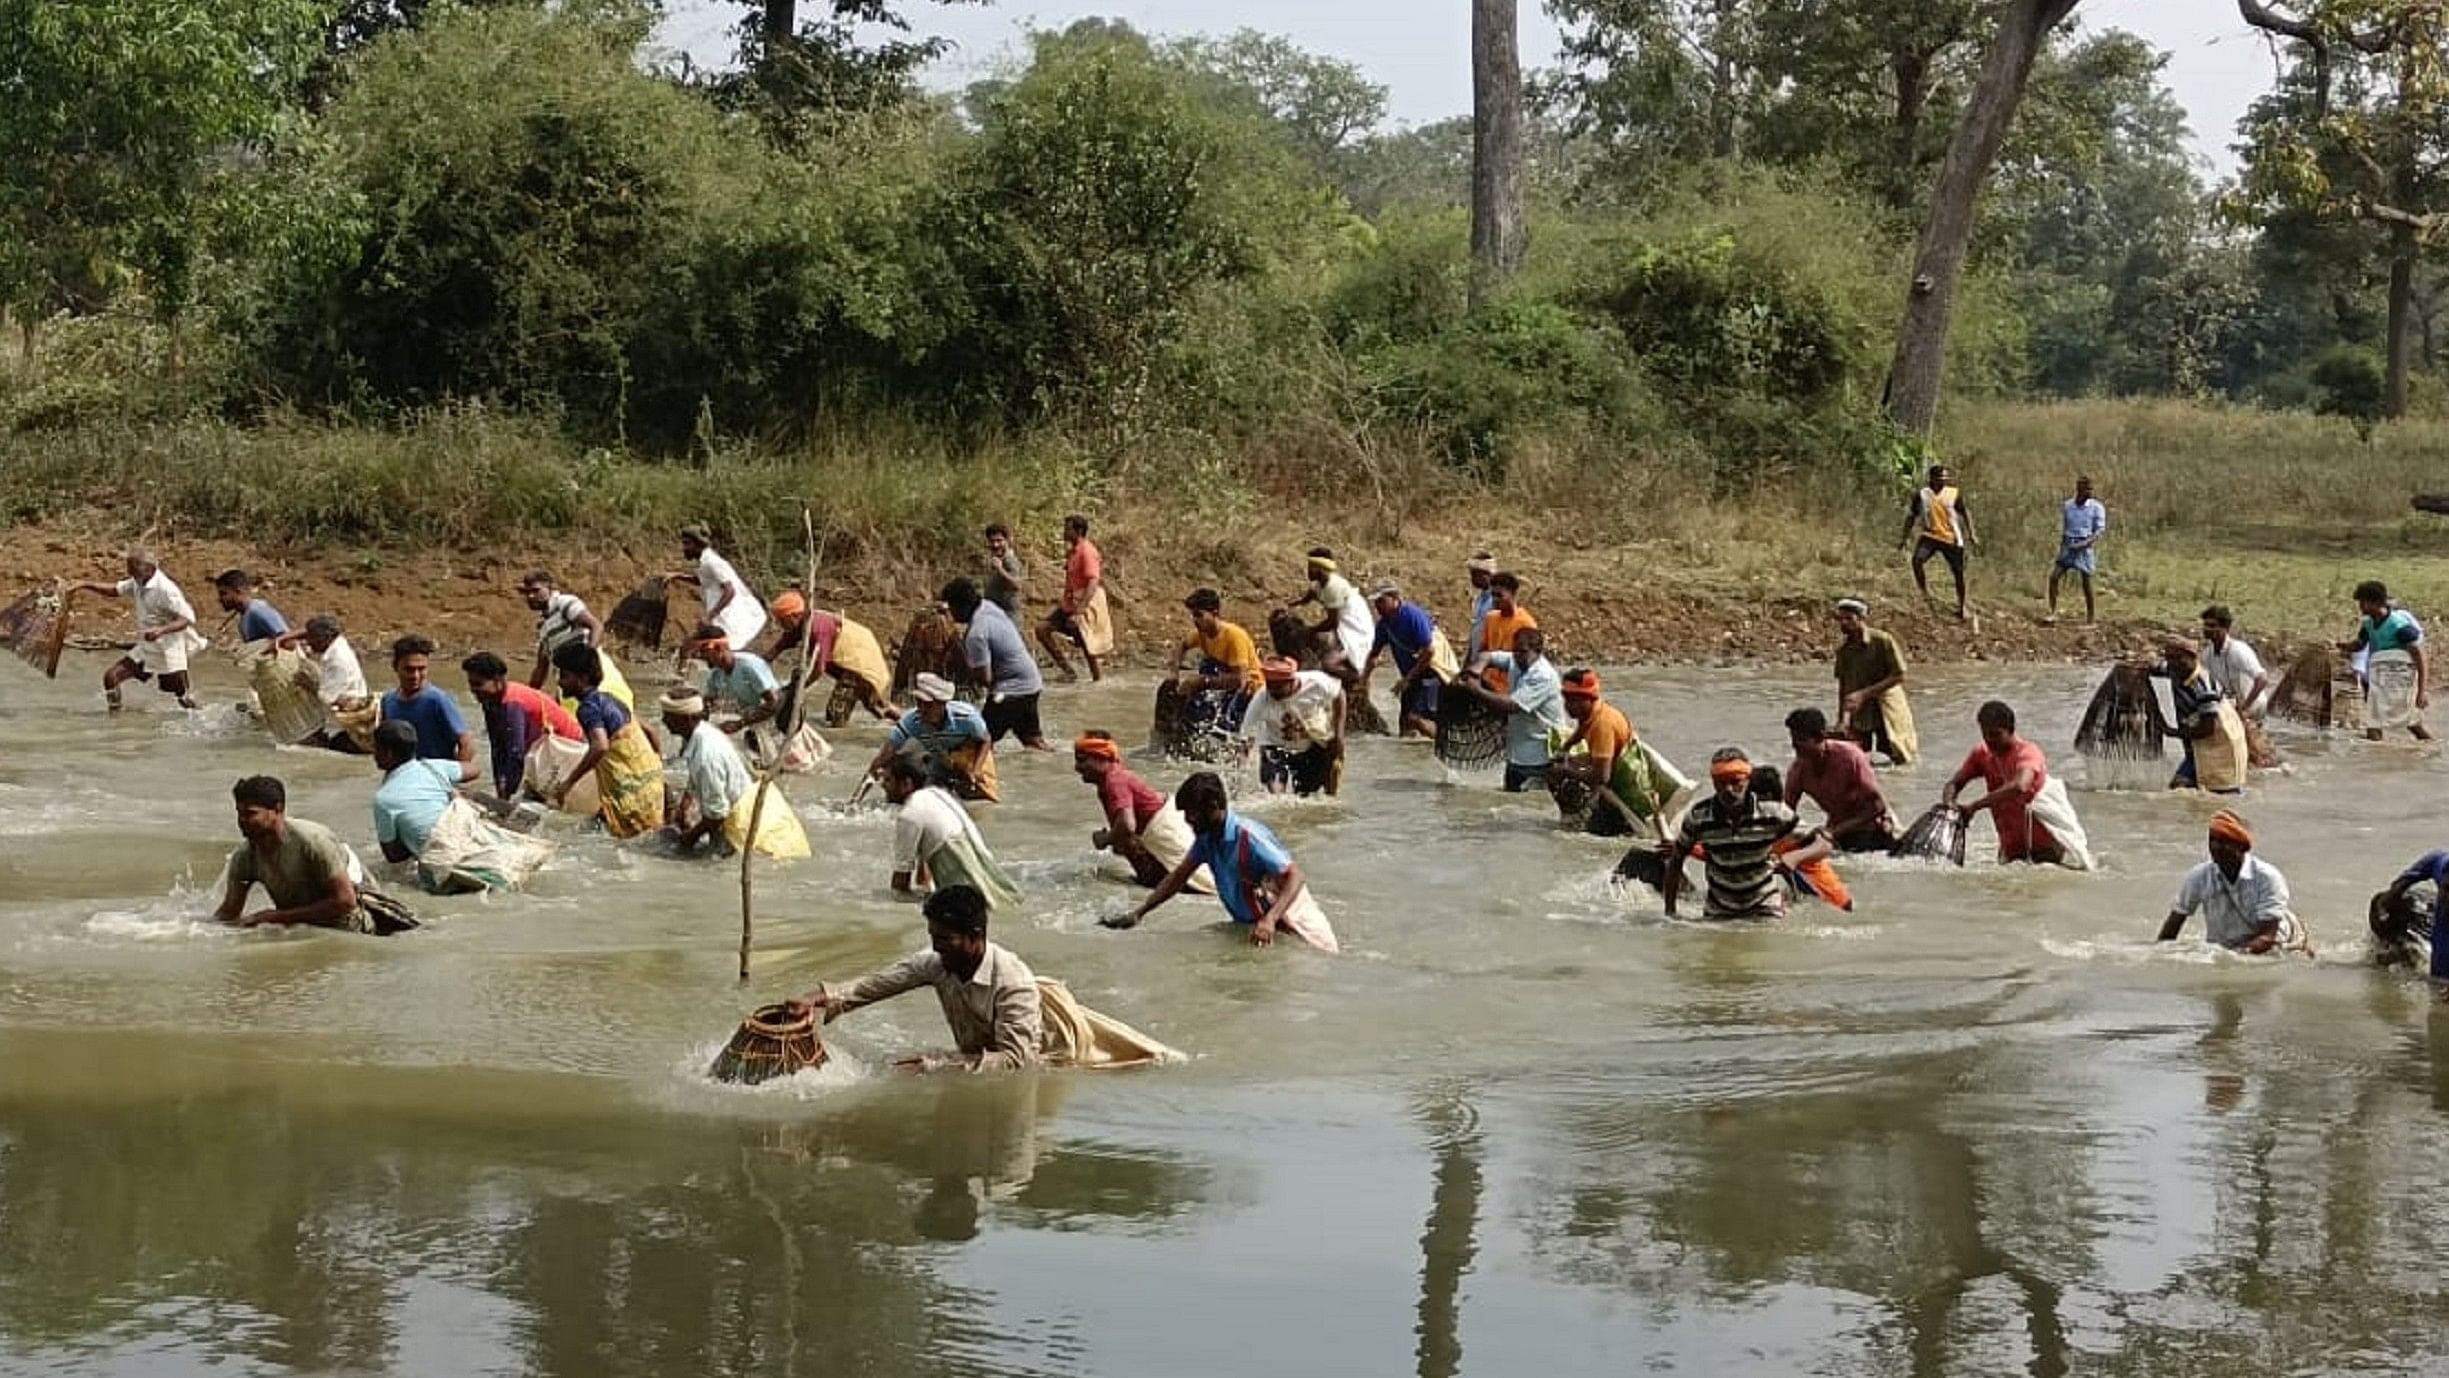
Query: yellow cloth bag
(780, 834)
(631, 778)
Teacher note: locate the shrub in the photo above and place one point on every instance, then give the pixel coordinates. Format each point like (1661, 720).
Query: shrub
(1515, 368)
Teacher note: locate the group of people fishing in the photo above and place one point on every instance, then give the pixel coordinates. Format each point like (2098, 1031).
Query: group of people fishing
(732, 722)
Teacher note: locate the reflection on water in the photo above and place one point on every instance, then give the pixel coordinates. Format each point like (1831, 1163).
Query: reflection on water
(1527, 1126)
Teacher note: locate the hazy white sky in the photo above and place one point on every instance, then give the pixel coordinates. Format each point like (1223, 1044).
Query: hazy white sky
(1419, 49)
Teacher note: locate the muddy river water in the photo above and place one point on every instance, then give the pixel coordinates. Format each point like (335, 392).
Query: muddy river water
(1525, 1125)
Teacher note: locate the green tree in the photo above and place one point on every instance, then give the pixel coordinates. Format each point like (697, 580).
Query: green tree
(122, 121)
(1324, 105)
(797, 72)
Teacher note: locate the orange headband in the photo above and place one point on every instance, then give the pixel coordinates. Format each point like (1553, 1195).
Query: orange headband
(2227, 826)
(1728, 772)
(1587, 687)
(788, 608)
(1103, 748)
(1279, 669)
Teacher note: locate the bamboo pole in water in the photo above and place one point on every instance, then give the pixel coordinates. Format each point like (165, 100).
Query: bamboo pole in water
(790, 731)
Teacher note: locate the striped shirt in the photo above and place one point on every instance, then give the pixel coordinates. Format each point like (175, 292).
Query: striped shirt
(558, 626)
(1738, 844)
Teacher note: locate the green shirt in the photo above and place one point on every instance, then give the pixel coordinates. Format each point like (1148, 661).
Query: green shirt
(298, 872)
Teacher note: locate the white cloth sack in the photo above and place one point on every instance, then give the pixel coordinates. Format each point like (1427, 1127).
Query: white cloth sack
(2053, 810)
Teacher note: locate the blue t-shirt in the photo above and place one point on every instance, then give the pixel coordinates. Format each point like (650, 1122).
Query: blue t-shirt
(1539, 709)
(962, 724)
(1236, 855)
(598, 709)
(2080, 521)
(993, 645)
(2395, 632)
(1406, 634)
(744, 685)
(2434, 867)
(436, 718)
(410, 802)
(261, 622)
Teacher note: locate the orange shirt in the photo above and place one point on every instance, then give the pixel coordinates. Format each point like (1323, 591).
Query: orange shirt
(1609, 733)
(1497, 634)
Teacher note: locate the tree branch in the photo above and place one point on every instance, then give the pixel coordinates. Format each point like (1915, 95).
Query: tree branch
(2269, 20)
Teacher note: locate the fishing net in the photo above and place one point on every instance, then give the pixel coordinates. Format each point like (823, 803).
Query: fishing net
(774, 1042)
(35, 627)
(1644, 863)
(2309, 693)
(2123, 733)
(638, 620)
(932, 646)
(2402, 927)
(1470, 734)
(1935, 836)
(1193, 724)
(286, 683)
(1296, 640)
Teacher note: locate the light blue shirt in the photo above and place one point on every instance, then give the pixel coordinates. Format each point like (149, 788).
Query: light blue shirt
(2082, 520)
(1539, 709)
(743, 686)
(962, 725)
(410, 802)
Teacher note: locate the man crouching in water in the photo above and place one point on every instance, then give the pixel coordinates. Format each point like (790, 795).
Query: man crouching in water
(2243, 899)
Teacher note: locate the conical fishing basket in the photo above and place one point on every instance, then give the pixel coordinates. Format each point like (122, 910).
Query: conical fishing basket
(932, 646)
(774, 1042)
(2123, 734)
(2309, 692)
(1574, 798)
(638, 620)
(1470, 734)
(1937, 835)
(35, 627)
(1293, 638)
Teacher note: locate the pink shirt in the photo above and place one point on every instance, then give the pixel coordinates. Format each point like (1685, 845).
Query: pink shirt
(1841, 782)
(2017, 833)
(545, 717)
(1120, 790)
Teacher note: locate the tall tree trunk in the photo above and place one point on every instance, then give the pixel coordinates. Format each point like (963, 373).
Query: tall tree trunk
(1912, 72)
(1726, 122)
(2405, 249)
(781, 23)
(1496, 147)
(1915, 377)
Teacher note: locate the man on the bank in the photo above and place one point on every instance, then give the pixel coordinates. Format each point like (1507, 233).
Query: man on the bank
(993, 1004)
(312, 879)
(718, 795)
(1297, 724)
(1835, 774)
(517, 719)
(1737, 834)
(2016, 774)
(1257, 881)
(999, 659)
(1505, 618)
(1006, 576)
(2243, 899)
(948, 737)
(2232, 664)
(442, 735)
(728, 602)
(258, 620)
(1083, 618)
(1871, 702)
(1532, 700)
(166, 632)
(421, 816)
(1218, 692)
(936, 844)
(1627, 786)
(1407, 632)
(1938, 523)
(340, 685)
(1141, 826)
(2081, 523)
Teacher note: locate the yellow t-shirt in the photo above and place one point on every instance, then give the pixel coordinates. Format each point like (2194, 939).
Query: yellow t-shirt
(1497, 634)
(1231, 646)
(1939, 516)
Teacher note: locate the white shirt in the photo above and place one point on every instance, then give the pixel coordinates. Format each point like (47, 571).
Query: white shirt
(1296, 723)
(2233, 667)
(557, 626)
(1355, 625)
(338, 676)
(715, 773)
(929, 819)
(158, 603)
(2233, 911)
(745, 618)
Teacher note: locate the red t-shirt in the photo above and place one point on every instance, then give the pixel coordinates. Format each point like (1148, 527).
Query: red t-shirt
(545, 716)
(1083, 567)
(1120, 790)
(1841, 782)
(2018, 835)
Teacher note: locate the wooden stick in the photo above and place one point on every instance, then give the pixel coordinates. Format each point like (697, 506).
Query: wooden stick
(790, 732)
